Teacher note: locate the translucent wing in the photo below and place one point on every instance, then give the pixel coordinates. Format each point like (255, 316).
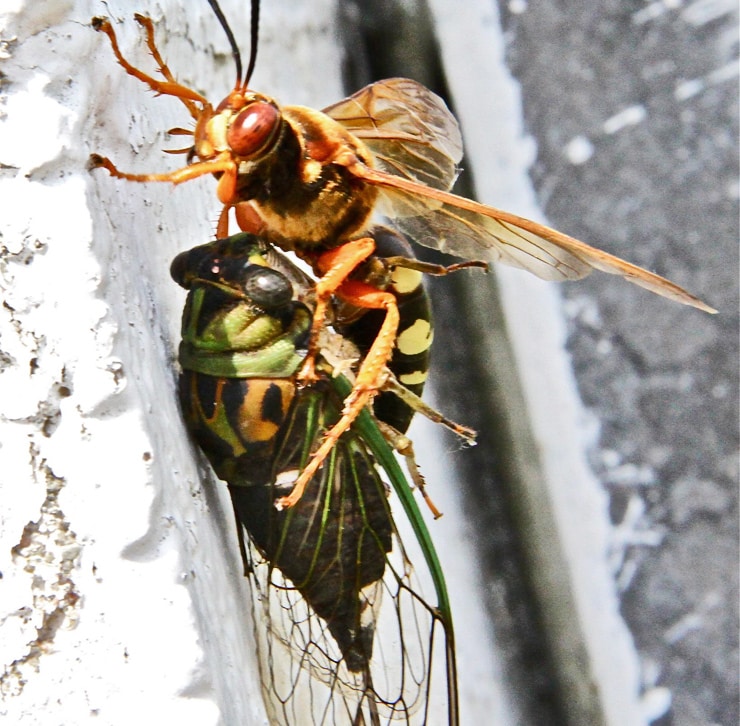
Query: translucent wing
(345, 635)
(416, 145)
(462, 227)
(408, 129)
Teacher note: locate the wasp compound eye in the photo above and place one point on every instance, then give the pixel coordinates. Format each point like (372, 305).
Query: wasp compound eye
(254, 129)
(268, 288)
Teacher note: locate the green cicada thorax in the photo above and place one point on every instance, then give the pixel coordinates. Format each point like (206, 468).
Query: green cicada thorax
(240, 318)
(243, 338)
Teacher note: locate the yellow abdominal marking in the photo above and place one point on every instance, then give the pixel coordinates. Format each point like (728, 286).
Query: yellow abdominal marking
(405, 281)
(413, 379)
(415, 339)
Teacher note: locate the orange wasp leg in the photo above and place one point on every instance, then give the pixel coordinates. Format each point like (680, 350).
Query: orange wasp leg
(334, 266)
(370, 378)
(151, 43)
(246, 216)
(220, 164)
(166, 88)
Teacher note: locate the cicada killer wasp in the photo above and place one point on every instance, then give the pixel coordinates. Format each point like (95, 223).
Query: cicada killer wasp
(349, 637)
(310, 182)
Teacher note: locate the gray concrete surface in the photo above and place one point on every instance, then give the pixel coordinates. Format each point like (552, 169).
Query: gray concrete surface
(660, 188)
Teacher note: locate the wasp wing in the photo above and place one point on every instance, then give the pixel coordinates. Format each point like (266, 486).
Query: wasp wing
(408, 129)
(462, 227)
(416, 145)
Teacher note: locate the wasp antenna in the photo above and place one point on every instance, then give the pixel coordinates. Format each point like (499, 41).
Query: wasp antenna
(253, 41)
(235, 54)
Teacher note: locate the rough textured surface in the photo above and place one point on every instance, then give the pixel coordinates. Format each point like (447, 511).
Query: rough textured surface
(634, 110)
(119, 566)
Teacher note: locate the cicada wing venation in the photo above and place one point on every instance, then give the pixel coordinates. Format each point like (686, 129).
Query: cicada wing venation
(345, 633)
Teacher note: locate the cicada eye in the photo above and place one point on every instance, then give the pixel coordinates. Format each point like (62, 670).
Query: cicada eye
(267, 288)
(180, 270)
(254, 129)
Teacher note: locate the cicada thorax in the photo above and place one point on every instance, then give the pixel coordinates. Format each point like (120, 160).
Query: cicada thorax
(241, 336)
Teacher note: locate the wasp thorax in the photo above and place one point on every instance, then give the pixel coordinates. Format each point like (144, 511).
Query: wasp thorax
(254, 129)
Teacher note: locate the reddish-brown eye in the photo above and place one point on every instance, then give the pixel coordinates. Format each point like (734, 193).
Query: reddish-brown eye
(254, 129)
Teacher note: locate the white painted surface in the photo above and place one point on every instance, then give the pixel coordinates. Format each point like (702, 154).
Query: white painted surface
(133, 562)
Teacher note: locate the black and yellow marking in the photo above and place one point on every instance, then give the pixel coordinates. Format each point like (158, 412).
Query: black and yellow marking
(410, 361)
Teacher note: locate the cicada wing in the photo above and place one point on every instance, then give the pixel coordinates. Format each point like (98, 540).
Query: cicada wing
(408, 129)
(345, 634)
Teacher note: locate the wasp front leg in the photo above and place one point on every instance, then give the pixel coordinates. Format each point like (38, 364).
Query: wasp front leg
(169, 87)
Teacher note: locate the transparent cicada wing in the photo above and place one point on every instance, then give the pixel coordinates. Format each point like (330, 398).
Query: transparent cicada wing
(345, 634)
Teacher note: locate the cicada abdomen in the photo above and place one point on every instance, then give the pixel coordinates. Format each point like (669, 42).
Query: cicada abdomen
(345, 634)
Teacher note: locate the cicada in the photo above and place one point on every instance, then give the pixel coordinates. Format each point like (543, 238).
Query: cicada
(346, 635)
(312, 181)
